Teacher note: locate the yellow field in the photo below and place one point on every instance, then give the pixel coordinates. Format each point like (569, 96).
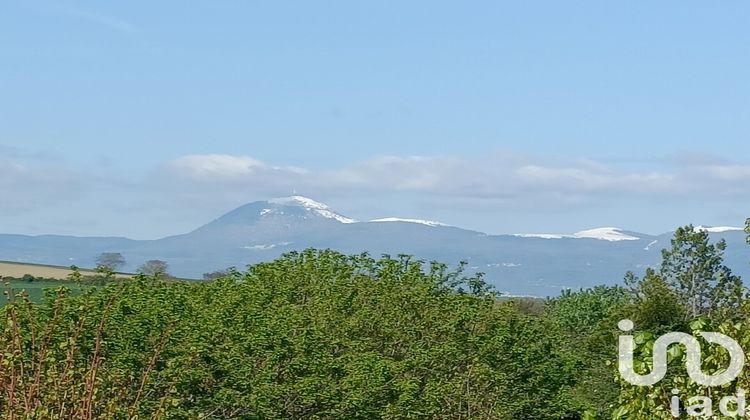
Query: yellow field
(14, 269)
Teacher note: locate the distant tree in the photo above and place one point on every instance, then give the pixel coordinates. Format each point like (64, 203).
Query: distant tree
(215, 274)
(104, 273)
(111, 260)
(529, 306)
(581, 312)
(656, 306)
(75, 274)
(154, 268)
(694, 268)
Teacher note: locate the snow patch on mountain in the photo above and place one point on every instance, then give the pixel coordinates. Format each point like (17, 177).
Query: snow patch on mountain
(541, 235)
(719, 229)
(264, 247)
(418, 221)
(605, 234)
(313, 206)
(648, 247)
(298, 200)
(505, 264)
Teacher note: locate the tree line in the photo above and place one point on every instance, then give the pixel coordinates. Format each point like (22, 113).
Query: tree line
(114, 261)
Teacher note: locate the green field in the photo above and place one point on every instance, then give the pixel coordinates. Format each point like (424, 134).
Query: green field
(35, 289)
(16, 279)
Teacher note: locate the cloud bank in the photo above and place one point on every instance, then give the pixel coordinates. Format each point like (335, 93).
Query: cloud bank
(498, 176)
(497, 192)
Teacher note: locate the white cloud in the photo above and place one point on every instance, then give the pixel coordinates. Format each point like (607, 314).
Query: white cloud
(216, 167)
(498, 177)
(729, 172)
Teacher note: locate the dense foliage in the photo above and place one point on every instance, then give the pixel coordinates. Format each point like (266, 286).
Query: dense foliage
(321, 335)
(311, 335)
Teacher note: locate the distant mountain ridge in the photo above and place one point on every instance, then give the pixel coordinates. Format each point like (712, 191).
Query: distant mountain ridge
(528, 264)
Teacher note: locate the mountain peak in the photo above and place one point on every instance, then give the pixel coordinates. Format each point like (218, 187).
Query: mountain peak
(311, 205)
(298, 200)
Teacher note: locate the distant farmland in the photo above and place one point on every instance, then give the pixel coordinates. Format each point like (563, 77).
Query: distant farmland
(18, 270)
(13, 273)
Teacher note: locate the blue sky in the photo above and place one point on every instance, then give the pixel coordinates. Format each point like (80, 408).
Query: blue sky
(148, 118)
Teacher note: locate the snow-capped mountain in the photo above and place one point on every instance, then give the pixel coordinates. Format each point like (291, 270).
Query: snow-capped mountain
(311, 206)
(523, 264)
(287, 209)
